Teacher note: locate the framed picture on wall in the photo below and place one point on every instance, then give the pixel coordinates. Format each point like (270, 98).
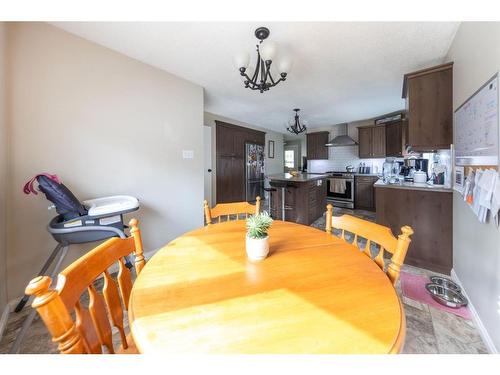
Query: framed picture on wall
(270, 149)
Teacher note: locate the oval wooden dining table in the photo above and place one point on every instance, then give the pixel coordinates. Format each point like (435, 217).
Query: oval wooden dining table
(314, 293)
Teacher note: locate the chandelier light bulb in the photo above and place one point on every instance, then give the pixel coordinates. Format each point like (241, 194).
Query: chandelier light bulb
(242, 60)
(285, 65)
(267, 50)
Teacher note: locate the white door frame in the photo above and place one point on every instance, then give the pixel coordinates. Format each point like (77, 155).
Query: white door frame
(207, 164)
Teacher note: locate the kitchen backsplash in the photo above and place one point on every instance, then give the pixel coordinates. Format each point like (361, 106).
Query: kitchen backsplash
(341, 157)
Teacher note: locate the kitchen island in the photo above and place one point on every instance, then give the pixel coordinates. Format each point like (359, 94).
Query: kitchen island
(428, 210)
(301, 197)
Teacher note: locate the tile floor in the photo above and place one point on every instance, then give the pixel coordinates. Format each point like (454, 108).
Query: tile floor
(428, 330)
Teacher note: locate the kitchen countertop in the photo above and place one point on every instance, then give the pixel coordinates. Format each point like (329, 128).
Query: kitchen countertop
(301, 177)
(414, 186)
(367, 174)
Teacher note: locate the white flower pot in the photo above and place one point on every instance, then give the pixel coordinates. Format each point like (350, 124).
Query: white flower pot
(257, 249)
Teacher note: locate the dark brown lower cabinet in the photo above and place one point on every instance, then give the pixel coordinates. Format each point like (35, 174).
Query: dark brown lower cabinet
(364, 192)
(429, 213)
(305, 202)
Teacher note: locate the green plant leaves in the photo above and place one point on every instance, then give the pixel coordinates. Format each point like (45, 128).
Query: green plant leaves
(258, 225)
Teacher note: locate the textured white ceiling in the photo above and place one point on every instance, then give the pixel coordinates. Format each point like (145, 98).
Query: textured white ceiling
(343, 71)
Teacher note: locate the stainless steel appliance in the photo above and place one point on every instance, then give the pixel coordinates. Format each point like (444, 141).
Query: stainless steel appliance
(343, 138)
(254, 171)
(340, 189)
(418, 164)
(412, 165)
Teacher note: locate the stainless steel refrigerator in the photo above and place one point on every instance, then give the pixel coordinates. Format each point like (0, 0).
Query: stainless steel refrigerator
(254, 171)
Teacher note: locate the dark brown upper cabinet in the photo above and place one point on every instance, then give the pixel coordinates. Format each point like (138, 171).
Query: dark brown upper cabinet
(371, 141)
(378, 141)
(316, 148)
(365, 142)
(429, 102)
(396, 135)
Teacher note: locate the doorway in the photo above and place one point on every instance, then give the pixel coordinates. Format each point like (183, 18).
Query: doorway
(292, 157)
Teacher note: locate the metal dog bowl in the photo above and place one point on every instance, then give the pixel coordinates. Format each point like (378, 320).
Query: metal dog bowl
(444, 282)
(445, 296)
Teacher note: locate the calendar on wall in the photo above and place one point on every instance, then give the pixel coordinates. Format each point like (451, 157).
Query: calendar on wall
(476, 127)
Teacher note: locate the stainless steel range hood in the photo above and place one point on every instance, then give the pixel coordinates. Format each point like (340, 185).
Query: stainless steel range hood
(342, 139)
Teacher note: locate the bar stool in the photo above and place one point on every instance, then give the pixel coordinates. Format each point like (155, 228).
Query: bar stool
(283, 185)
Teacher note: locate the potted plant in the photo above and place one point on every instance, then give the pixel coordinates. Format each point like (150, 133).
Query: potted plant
(257, 239)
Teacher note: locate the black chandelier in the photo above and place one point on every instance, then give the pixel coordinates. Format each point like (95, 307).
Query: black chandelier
(260, 78)
(295, 126)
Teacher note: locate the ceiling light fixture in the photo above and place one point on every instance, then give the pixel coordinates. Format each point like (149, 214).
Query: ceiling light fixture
(296, 127)
(260, 77)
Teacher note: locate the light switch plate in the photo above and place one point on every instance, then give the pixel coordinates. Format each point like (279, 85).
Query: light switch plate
(187, 154)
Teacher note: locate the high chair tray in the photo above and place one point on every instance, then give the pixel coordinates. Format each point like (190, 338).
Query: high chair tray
(117, 204)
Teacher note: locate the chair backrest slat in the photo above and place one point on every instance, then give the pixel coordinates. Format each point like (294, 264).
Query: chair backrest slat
(379, 259)
(228, 209)
(112, 298)
(374, 233)
(124, 281)
(100, 319)
(92, 327)
(86, 328)
(367, 249)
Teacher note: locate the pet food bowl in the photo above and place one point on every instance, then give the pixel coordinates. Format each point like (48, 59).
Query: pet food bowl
(446, 296)
(447, 283)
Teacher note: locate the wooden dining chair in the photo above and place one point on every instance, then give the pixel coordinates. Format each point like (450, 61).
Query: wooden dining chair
(91, 329)
(227, 210)
(373, 233)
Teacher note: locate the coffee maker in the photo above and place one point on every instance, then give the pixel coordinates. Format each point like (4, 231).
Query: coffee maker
(413, 164)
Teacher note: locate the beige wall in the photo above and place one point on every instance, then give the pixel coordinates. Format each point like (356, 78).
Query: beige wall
(107, 125)
(3, 172)
(476, 247)
(274, 165)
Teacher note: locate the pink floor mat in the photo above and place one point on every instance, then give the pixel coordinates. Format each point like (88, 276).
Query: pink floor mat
(413, 286)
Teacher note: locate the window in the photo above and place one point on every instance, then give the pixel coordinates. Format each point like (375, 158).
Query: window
(290, 158)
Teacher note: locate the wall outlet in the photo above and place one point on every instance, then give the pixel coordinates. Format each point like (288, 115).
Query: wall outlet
(187, 154)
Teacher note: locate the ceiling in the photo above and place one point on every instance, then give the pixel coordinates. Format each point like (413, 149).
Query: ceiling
(342, 71)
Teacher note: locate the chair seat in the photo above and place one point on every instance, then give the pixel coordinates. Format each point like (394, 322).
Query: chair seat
(132, 349)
